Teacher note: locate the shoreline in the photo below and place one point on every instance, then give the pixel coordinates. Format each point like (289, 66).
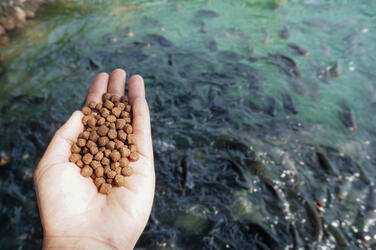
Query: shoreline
(14, 14)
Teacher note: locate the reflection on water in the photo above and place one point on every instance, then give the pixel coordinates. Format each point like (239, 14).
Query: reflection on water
(261, 114)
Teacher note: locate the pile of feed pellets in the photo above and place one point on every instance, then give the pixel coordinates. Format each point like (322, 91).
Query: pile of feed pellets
(105, 147)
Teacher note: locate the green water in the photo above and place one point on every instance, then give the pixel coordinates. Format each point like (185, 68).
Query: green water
(54, 58)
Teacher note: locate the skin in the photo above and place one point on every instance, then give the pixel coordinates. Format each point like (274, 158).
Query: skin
(73, 213)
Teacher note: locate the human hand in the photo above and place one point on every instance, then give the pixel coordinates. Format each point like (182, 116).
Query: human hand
(73, 213)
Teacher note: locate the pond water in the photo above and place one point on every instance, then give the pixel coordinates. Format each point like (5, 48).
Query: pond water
(262, 116)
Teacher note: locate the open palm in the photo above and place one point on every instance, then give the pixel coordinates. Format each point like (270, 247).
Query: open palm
(74, 214)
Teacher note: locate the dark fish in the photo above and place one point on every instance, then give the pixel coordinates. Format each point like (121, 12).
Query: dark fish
(316, 220)
(289, 104)
(286, 64)
(157, 39)
(335, 69)
(170, 60)
(325, 163)
(187, 177)
(271, 108)
(94, 64)
(298, 49)
(363, 176)
(348, 119)
(336, 233)
(206, 14)
(284, 34)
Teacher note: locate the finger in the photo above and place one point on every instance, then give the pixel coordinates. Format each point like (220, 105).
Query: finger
(98, 88)
(59, 149)
(141, 116)
(116, 84)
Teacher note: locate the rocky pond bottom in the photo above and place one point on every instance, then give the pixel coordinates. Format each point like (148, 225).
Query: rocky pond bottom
(250, 152)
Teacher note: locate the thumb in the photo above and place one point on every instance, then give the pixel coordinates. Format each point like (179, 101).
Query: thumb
(58, 150)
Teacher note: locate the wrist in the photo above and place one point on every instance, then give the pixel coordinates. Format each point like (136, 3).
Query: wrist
(76, 242)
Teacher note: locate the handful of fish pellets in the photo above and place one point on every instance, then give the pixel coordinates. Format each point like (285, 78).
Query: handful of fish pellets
(105, 147)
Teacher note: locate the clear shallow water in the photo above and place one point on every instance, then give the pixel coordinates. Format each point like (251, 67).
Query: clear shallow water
(233, 175)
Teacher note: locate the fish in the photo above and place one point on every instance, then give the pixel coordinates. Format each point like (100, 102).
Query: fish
(284, 34)
(335, 69)
(289, 104)
(286, 64)
(271, 108)
(206, 14)
(298, 49)
(157, 39)
(316, 220)
(348, 119)
(336, 233)
(324, 161)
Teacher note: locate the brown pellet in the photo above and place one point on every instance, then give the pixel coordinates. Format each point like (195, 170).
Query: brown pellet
(128, 108)
(127, 171)
(118, 170)
(84, 135)
(119, 180)
(103, 130)
(98, 106)
(110, 145)
(79, 163)
(86, 171)
(92, 105)
(74, 158)
(87, 158)
(121, 106)
(81, 142)
(131, 139)
(86, 110)
(125, 152)
(90, 144)
(120, 123)
(116, 111)
(95, 164)
(115, 99)
(109, 180)
(94, 150)
(101, 121)
(99, 181)
(115, 165)
(106, 96)
(110, 118)
(102, 141)
(125, 114)
(123, 162)
(99, 171)
(119, 144)
(134, 156)
(104, 112)
(94, 136)
(92, 122)
(133, 148)
(75, 149)
(112, 134)
(108, 104)
(124, 99)
(128, 129)
(115, 155)
(105, 188)
(107, 152)
(105, 161)
(99, 156)
(122, 136)
(111, 174)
